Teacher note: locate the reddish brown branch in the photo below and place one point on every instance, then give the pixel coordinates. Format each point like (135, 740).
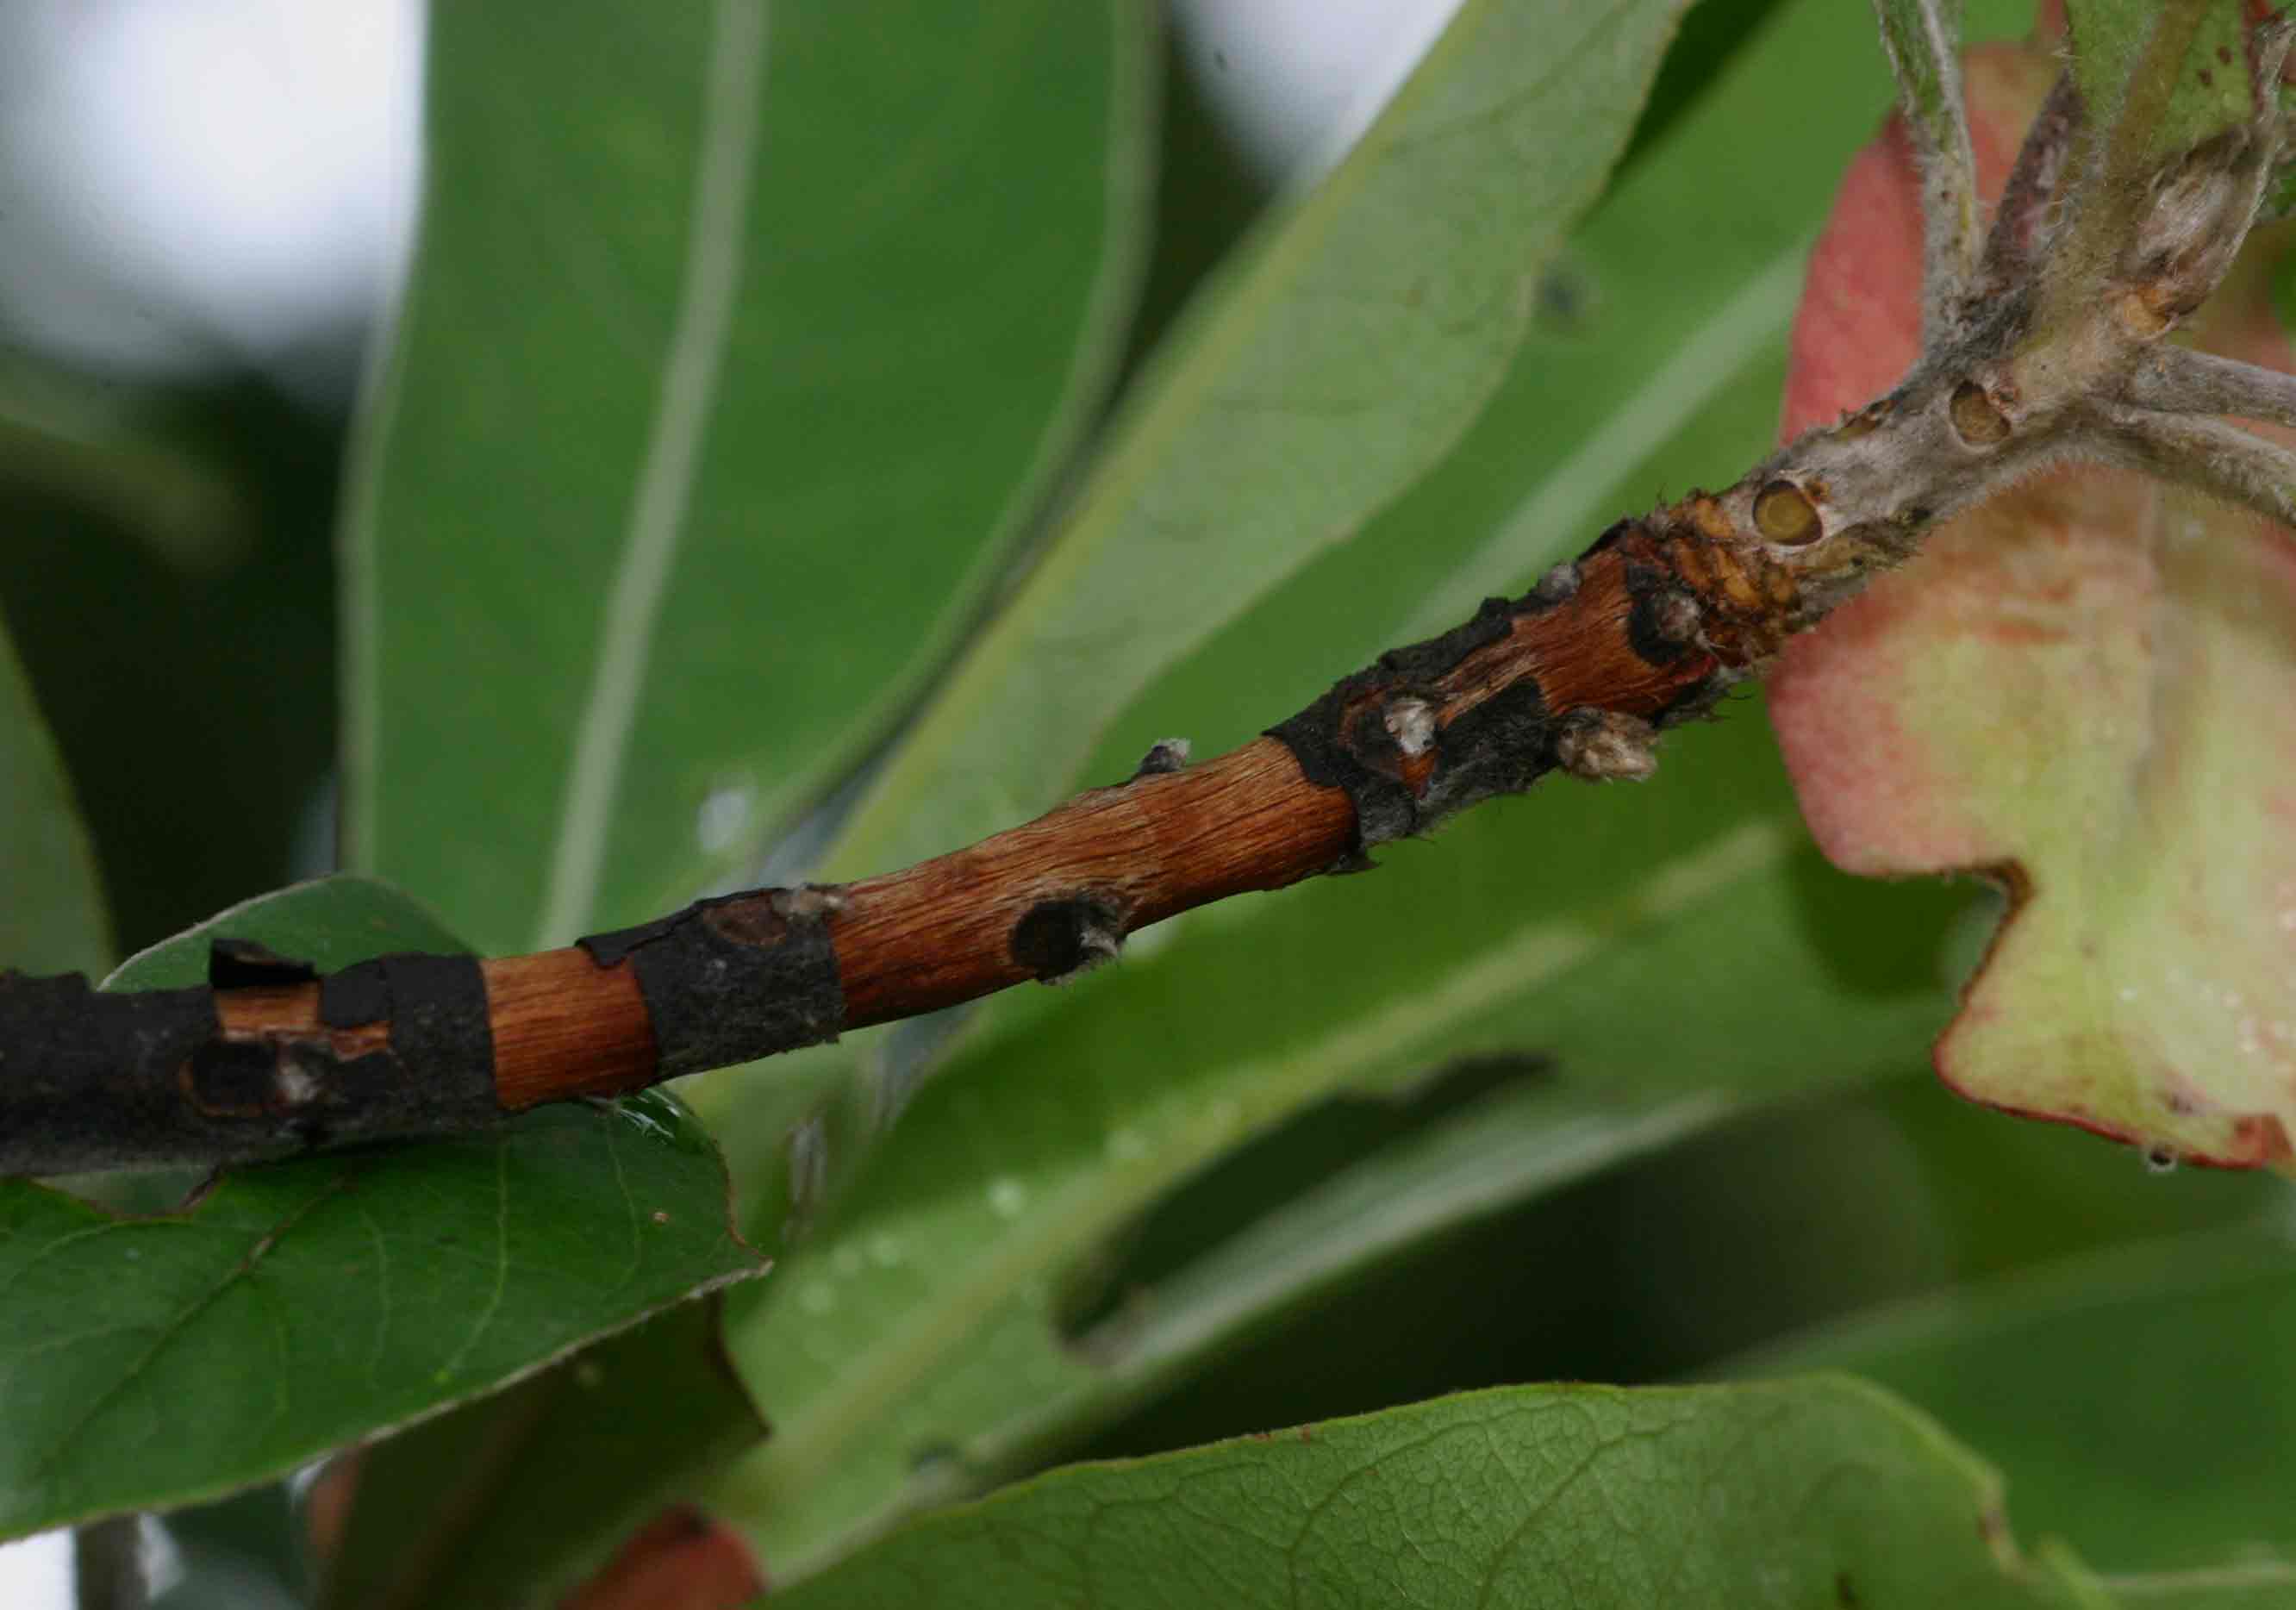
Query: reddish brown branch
(959, 926)
(1646, 631)
(542, 1052)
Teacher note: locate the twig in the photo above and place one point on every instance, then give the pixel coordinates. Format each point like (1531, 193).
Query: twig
(1921, 39)
(2209, 456)
(2177, 380)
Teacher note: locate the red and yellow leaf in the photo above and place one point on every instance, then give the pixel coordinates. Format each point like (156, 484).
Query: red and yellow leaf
(2086, 688)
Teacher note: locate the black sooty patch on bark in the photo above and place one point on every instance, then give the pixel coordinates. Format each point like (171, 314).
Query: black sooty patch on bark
(227, 1079)
(1342, 742)
(439, 1024)
(437, 1073)
(1501, 745)
(358, 995)
(1422, 663)
(1384, 808)
(1615, 533)
(91, 1081)
(734, 979)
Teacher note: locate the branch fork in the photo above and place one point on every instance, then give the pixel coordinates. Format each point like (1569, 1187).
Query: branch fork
(2048, 344)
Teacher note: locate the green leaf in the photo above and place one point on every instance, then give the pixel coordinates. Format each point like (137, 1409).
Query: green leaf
(2091, 1379)
(1651, 366)
(52, 917)
(547, 1479)
(732, 332)
(191, 691)
(1633, 376)
(2179, 66)
(1351, 340)
(1814, 1492)
(146, 1361)
(920, 1315)
(1613, 928)
(1511, 1147)
(329, 922)
(1637, 378)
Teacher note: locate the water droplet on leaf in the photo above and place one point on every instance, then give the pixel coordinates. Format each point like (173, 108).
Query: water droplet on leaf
(723, 814)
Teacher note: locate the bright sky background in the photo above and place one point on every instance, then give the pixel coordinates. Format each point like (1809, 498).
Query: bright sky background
(1296, 81)
(190, 182)
(194, 184)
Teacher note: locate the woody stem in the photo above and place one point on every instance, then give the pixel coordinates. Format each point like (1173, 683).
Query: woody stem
(270, 1059)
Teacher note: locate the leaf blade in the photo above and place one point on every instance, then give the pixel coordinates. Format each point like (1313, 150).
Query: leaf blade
(550, 1475)
(1346, 345)
(1816, 1492)
(886, 348)
(919, 1314)
(1103, 1081)
(2174, 1343)
(2196, 87)
(328, 1298)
